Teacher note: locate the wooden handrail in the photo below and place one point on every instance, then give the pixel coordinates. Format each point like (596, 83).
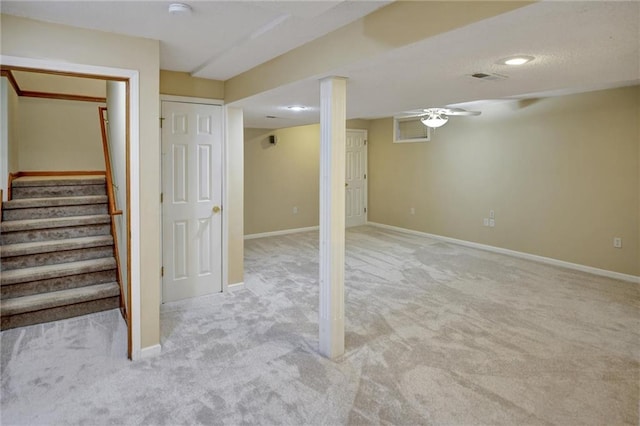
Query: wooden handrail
(107, 162)
(112, 207)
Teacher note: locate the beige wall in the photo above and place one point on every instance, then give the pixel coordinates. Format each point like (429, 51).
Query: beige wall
(281, 177)
(33, 39)
(560, 173)
(59, 135)
(235, 196)
(13, 131)
(50, 83)
(182, 84)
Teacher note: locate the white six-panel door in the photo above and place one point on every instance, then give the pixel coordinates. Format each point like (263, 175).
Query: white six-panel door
(192, 197)
(355, 176)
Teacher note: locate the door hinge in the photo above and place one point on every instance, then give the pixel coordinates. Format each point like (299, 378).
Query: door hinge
(161, 121)
(162, 271)
(162, 197)
(365, 141)
(365, 175)
(365, 209)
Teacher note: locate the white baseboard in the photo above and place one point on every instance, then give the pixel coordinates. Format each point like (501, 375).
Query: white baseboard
(235, 286)
(149, 352)
(283, 232)
(535, 258)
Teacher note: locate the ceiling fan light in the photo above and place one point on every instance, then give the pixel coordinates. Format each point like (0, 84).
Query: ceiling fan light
(434, 120)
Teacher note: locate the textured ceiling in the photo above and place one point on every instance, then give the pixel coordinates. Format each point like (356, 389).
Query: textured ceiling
(578, 46)
(218, 40)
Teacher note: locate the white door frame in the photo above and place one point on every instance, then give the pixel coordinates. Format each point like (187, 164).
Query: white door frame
(366, 171)
(4, 136)
(225, 180)
(134, 172)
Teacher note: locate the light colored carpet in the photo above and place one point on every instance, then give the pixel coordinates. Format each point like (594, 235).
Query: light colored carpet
(436, 334)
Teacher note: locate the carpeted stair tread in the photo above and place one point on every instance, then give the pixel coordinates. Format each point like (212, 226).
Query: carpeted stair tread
(22, 249)
(37, 273)
(26, 181)
(57, 250)
(25, 203)
(38, 302)
(60, 222)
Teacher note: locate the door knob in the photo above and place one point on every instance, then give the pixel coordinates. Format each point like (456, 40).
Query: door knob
(346, 184)
(216, 209)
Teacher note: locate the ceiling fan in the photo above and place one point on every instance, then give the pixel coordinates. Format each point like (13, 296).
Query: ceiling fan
(438, 117)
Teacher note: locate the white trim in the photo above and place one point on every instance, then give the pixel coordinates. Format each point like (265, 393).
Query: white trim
(150, 351)
(235, 286)
(190, 100)
(134, 227)
(225, 200)
(283, 232)
(333, 134)
(519, 254)
(134, 158)
(5, 87)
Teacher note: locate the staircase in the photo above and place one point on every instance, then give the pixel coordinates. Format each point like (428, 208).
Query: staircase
(56, 249)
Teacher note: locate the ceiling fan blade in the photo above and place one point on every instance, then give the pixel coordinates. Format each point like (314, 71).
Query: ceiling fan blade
(411, 114)
(460, 111)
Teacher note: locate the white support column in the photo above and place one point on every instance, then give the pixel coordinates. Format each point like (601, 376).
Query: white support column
(333, 97)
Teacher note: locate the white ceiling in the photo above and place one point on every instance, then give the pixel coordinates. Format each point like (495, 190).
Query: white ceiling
(219, 40)
(578, 46)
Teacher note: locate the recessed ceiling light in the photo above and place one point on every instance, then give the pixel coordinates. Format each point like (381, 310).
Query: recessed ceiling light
(297, 108)
(516, 60)
(180, 9)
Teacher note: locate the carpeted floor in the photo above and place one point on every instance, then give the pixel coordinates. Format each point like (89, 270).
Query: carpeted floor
(436, 334)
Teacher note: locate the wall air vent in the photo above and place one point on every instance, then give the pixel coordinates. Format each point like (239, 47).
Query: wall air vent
(489, 77)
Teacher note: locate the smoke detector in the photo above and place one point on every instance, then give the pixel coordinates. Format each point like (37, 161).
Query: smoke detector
(180, 9)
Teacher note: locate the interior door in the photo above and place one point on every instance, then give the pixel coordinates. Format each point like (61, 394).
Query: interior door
(191, 200)
(356, 178)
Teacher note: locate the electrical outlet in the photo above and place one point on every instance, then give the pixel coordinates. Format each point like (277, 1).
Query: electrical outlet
(485, 221)
(617, 242)
(492, 223)
(412, 210)
(295, 210)
(492, 214)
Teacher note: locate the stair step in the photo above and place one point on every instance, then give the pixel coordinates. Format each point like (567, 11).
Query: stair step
(67, 180)
(40, 308)
(56, 284)
(56, 257)
(27, 203)
(38, 273)
(37, 302)
(54, 212)
(60, 222)
(40, 208)
(25, 249)
(47, 187)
